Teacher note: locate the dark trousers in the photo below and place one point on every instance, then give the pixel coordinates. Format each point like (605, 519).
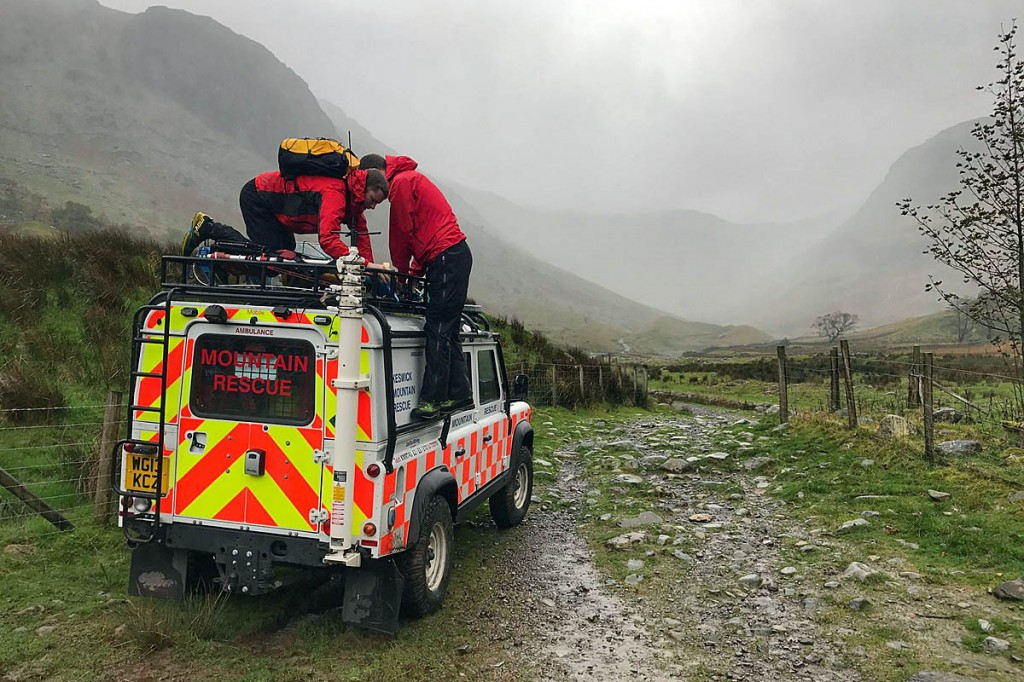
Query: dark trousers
(261, 224)
(446, 376)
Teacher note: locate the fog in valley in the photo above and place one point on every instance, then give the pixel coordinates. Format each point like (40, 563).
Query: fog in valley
(755, 112)
(659, 164)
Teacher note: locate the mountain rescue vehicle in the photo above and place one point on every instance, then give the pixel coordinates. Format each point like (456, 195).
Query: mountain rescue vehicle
(270, 427)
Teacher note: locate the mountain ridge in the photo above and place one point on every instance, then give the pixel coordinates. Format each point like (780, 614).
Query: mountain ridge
(129, 114)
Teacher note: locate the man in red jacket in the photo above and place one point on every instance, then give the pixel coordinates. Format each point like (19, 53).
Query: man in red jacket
(275, 210)
(424, 236)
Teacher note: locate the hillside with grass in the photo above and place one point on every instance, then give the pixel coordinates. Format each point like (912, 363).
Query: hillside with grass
(146, 118)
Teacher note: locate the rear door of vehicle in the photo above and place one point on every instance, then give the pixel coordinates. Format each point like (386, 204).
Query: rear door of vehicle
(251, 427)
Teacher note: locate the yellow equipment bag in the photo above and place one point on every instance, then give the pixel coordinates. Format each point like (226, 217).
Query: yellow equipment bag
(320, 156)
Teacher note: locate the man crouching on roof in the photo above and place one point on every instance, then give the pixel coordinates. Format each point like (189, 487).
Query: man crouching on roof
(424, 235)
(276, 209)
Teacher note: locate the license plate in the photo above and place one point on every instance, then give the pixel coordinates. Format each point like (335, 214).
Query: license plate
(140, 474)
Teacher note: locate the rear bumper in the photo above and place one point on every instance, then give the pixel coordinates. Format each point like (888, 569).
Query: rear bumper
(244, 561)
(221, 543)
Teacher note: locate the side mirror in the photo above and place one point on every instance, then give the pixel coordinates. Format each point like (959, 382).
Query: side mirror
(520, 387)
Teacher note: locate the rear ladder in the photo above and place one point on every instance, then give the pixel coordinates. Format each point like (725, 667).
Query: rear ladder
(139, 340)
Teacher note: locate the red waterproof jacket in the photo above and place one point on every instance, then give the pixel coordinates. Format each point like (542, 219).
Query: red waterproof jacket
(422, 222)
(317, 204)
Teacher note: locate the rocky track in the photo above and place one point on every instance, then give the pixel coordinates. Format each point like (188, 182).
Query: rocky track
(758, 596)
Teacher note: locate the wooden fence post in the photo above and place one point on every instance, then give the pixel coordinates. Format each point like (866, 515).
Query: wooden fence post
(108, 436)
(600, 379)
(928, 406)
(582, 390)
(833, 388)
(914, 383)
(33, 502)
(851, 401)
(554, 386)
(783, 386)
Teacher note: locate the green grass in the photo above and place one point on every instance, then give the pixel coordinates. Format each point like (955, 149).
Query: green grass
(238, 638)
(77, 583)
(818, 471)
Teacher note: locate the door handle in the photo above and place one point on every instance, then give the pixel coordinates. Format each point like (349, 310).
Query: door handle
(488, 439)
(460, 452)
(198, 443)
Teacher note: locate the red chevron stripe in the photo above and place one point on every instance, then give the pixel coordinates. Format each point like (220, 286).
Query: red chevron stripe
(362, 493)
(149, 387)
(211, 466)
(255, 512)
(233, 510)
(289, 479)
(154, 317)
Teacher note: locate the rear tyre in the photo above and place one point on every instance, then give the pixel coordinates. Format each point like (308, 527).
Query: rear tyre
(427, 565)
(510, 504)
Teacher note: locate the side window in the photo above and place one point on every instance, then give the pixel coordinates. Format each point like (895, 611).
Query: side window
(488, 376)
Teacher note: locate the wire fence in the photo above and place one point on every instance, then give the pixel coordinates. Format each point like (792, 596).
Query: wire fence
(52, 473)
(870, 387)
(54, 467)
(575, 386)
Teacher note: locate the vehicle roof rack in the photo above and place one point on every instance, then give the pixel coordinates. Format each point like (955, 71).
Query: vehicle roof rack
(269, 279)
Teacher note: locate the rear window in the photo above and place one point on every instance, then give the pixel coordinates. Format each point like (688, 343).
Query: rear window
(253, 379)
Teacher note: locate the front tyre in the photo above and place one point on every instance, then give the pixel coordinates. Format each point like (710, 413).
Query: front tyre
(510, 504)
(427, 565)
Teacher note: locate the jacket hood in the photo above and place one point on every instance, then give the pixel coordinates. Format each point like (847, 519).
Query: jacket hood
(356, 182)
(397, 164)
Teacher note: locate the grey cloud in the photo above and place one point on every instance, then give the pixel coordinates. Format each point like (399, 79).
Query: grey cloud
(752, 110)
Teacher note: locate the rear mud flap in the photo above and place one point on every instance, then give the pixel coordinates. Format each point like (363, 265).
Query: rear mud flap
(373, 597)
(157, 571)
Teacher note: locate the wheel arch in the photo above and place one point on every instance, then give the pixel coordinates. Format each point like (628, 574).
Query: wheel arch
(521, 437)
(438, 481)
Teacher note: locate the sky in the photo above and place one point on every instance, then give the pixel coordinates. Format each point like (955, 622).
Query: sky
(754, 110)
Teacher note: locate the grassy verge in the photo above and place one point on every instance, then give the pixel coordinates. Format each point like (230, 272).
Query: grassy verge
(937, 558)
(71, 620)
(65, 614)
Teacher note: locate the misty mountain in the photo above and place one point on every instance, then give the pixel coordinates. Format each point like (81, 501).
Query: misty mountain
(149, 117)
(873, 265)
(689, 263)
(778, 277)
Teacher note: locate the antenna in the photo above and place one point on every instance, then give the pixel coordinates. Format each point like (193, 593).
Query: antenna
(350, 139)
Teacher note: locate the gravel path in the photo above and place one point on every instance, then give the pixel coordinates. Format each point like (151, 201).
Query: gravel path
(719, 628)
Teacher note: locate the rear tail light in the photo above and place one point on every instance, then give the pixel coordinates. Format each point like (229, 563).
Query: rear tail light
(373, 471)
(369, 529)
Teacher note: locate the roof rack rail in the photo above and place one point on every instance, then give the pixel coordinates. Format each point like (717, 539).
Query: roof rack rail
(265, 278)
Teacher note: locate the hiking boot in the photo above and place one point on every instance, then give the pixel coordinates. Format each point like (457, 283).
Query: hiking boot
(194, 237)
(426, 410)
